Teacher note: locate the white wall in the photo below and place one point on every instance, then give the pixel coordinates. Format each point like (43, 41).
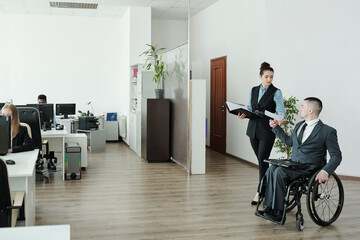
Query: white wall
(312, 46)
(140, 33)
(168, 33)
(70, 59)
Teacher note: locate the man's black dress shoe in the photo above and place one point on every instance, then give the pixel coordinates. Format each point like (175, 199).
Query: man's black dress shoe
(267, 210)
(274, 215)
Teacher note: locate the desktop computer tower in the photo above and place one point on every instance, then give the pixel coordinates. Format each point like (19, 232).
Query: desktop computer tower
(72, 161)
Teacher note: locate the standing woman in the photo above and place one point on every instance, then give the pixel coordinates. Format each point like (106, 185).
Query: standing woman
(263, 97)
(20, 138)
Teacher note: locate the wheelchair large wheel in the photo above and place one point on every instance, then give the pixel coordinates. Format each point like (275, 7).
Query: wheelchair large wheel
(325, 201)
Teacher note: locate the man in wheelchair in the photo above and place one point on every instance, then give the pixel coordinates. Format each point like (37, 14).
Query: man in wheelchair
(310, 140)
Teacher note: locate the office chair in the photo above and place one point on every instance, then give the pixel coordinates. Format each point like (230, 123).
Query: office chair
(31, 117)
(10, 202)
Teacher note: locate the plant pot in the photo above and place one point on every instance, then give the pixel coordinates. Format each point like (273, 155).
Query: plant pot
(159, 93)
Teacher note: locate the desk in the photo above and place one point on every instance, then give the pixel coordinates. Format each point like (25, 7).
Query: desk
(22, 178)
(53, 232)
(96, 139)
(57, 140)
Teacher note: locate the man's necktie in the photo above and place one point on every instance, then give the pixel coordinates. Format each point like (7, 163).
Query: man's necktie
(301, 134)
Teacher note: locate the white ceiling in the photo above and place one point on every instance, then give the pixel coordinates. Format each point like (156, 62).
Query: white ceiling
(161, 9)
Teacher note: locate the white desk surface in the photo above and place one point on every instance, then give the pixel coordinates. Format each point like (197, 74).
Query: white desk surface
(53, 232)
(24, 163)
(53, 133)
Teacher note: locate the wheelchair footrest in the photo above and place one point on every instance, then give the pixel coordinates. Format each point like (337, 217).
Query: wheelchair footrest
(282, 222)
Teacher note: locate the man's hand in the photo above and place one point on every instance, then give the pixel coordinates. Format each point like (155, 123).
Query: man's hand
(282, 121)
(273, 123)
(322, 176)
(242, 116)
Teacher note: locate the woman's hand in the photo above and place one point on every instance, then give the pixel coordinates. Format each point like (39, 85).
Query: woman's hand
(242, 116)
(273, 123)
(10, 150)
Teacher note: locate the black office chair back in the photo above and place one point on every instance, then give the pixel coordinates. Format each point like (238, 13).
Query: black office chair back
(31, 116)
(5, 197)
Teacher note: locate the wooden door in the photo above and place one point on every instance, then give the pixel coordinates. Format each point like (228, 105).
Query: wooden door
(217, 107)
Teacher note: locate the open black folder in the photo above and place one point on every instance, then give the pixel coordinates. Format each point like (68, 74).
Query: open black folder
(236, 108)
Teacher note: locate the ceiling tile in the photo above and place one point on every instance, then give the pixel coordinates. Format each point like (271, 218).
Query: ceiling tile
(166, 9)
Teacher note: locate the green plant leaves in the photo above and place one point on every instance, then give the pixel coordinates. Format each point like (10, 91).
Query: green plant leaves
(154, 60)
(290, 112)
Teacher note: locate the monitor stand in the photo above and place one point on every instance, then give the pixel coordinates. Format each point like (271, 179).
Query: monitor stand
(65, 116)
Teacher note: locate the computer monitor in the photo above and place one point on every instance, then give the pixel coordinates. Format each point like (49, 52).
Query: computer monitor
(46, 111)
(5, 134)
(65, 109)
(1, 105)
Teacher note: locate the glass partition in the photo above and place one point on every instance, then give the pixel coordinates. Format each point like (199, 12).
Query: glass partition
(176, 88)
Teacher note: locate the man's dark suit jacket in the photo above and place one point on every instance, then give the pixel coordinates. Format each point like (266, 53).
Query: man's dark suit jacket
(313, 150)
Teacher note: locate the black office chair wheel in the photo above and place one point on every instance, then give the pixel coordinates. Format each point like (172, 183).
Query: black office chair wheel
(39, 164)
(39, 167)
(51, 166)
(325, 201)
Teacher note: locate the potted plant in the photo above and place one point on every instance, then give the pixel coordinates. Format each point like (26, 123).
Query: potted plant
(154, 60)
(85, 114)
(290, 111)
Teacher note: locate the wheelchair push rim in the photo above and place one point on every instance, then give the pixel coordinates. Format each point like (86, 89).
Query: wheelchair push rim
(325, 201)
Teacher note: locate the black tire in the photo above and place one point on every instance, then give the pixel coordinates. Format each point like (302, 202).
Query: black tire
(325, 201)
(300, 224)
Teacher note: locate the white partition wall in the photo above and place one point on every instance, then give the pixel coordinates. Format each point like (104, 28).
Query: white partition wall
(176, 89)
(197, 125)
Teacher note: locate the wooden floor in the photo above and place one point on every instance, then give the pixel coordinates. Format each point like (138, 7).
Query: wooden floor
(120, 196)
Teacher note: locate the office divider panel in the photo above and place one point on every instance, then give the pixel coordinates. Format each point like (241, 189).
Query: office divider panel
(176, 88)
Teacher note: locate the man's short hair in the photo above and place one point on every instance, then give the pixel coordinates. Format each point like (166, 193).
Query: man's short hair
(42, 97)
(315, 103)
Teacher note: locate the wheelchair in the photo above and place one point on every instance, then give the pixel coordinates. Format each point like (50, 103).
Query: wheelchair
(324, 201)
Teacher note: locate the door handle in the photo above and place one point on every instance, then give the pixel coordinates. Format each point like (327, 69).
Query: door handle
(222, 108)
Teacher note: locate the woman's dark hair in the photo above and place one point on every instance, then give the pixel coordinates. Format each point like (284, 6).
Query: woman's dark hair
(265, 67)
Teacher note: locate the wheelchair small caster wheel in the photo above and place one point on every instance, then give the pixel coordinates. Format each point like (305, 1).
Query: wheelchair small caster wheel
(300, 224)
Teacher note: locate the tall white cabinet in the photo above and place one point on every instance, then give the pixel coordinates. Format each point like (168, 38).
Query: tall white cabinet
(141, 87)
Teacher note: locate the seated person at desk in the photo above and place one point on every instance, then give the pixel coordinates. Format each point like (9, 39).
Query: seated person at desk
(42, 99)
(310, 140)
(21, 140)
